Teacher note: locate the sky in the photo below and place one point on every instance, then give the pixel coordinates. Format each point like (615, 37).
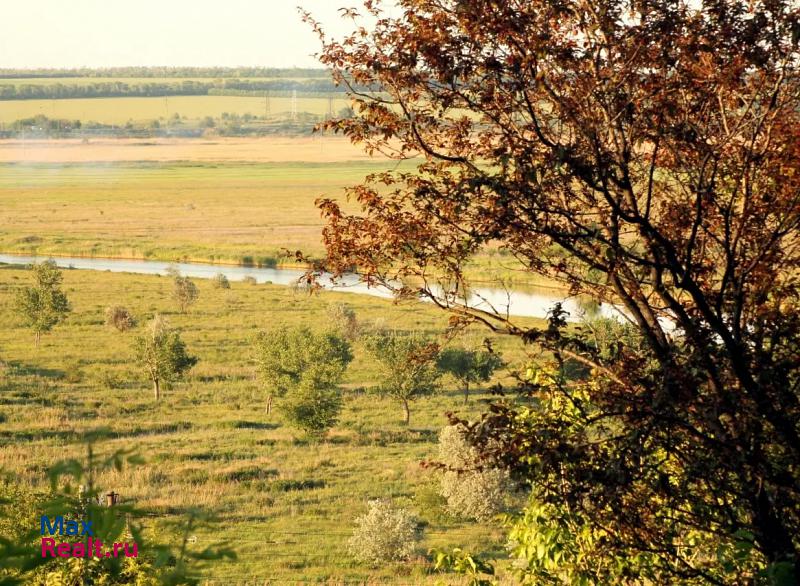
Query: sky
(109, 33)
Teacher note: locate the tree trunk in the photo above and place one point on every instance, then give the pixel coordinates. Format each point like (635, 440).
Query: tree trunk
(268, 408)
(466, 393)
(156, 389)
(406, 412)
(36, 337)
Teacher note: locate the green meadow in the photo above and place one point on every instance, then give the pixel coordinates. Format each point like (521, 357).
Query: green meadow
(286, 505)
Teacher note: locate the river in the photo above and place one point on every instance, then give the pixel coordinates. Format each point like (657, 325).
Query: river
(528, 302)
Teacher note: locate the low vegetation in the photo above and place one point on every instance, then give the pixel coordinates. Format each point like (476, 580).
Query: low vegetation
(473, 489)
(208, 442)
(120, 318)
(385, 533)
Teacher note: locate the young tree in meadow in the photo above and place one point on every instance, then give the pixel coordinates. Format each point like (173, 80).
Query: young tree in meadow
(644, 154)
(162, 354)
(407, 364)
(306, 368)
(43, 305)
(468, 366)
(184, 292)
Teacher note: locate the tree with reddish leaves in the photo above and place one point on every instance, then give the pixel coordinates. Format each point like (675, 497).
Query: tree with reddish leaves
(646, 154)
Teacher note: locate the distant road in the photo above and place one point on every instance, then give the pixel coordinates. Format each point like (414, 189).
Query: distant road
(330, 149)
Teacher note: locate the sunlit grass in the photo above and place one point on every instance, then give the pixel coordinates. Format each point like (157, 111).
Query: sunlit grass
(286, 505)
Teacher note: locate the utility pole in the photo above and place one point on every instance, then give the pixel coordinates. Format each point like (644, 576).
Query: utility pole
(294, 105)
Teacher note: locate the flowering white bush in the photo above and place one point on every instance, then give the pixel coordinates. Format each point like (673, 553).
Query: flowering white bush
(470, 493)
(384, 533)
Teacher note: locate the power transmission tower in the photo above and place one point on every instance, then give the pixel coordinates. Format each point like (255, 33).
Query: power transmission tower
(294, 105)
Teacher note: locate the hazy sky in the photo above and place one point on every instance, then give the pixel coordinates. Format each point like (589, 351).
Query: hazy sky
(101, 33)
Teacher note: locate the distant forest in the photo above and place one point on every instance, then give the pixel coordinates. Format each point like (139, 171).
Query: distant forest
(215, 81)
(227, 72)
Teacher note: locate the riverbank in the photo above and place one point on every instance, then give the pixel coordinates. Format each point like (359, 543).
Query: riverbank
(530, 302)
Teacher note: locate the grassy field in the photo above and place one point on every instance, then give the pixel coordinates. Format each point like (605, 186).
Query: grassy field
(287, 505)
(169, 211)
(121, 110)
(182, 210)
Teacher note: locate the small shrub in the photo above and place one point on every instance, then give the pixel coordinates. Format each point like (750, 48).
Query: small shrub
(184, 292)
(342, 317)
(312, 409)
(470, 493)
(120, 317)
(250, 280)
(220, 281)
(384, 533)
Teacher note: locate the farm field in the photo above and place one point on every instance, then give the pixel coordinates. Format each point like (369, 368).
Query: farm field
(120, 110)
(287, 506)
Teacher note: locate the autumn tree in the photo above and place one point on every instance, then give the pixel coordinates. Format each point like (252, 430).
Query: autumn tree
(43, 305)
(162, 353)
(407, 364)
(645, 154)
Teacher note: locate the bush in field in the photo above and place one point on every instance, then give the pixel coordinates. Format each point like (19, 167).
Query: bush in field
(44, 305)
(407, 366)
(184, 292)
(342, 317)
(471, 493)
(384, 533)
(162, 353)
(305, 367)
(220, 281)
(120, 318)
(312, 409)
(250, 280)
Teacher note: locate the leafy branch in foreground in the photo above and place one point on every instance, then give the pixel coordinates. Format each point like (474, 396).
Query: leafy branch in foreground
(74, 495)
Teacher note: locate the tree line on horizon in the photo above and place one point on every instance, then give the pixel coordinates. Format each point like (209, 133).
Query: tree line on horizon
(188, 87)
